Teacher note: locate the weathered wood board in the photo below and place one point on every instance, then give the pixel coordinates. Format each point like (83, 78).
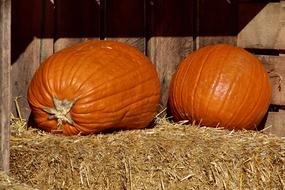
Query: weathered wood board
(266, 30)
(275, 124)
(276, 69)
(166, 53)
(202, 41)
(215, 23)
(47, 30)
(5, 85)
(75, 22)
(170, 37)
(124, 21)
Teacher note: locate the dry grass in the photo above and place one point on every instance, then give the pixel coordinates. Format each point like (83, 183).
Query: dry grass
(168, 156)
(8, 183)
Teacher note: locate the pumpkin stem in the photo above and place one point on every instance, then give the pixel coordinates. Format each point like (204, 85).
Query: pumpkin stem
(61, 110)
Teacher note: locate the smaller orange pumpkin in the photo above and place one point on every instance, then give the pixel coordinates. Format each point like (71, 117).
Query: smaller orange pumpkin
(221, 85)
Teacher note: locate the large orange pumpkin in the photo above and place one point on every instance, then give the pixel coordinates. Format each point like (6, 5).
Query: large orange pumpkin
(94, 86)
(220, 86)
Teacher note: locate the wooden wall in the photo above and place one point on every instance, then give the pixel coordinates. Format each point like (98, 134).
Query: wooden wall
(165, 30)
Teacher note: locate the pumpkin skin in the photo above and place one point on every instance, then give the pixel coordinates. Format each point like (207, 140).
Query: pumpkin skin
(94, 86)
(220, 86)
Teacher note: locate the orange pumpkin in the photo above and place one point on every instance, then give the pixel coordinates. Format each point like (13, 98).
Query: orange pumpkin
(94, 86)
(220, 86)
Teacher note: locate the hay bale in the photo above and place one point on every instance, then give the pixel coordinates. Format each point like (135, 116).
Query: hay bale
(9, 183)
(168, 156)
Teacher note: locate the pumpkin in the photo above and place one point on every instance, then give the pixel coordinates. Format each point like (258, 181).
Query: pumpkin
(220, 86)
(94, 86)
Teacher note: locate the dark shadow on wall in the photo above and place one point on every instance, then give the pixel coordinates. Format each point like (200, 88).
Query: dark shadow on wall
(43, 19)
(127, 18)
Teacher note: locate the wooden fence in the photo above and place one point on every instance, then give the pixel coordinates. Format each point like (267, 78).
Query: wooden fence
(165, 30)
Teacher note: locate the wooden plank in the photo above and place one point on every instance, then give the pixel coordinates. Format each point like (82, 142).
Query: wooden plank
(76, 22)
(137, 42)
(266, 30)
(5, 86)
(166, 53)
(125, 22)
(25, 48)
(275, 124)
(276, 69)
(62, 43)
(170, 37)
(280, 43)
(47, 30)
(216, 22)
(247, 10)
(202, 41)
